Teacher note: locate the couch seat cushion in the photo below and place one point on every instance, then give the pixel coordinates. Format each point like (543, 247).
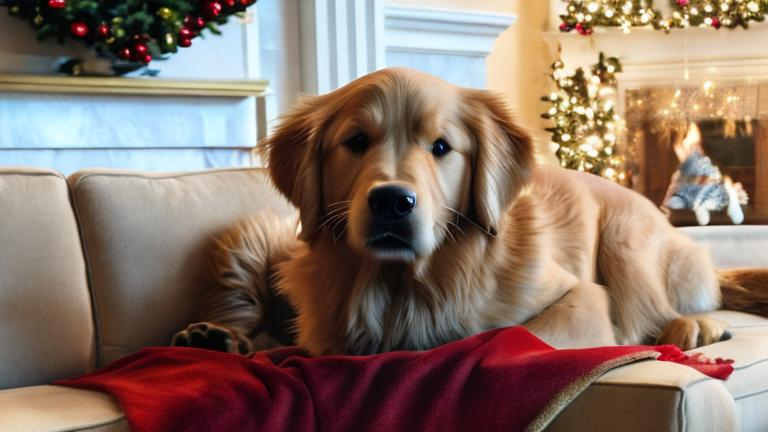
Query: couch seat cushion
(667, 396)
(52, 408)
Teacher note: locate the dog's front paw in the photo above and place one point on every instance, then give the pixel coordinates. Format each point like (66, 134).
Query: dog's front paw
(213, 337)
(689, 333)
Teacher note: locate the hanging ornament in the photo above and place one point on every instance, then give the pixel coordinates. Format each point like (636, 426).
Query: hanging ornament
(102, 30)
(38, 20)
(165, 13)
(140, 49)
(57, 4)
(79, 29)
(186, 33)
(212, 9)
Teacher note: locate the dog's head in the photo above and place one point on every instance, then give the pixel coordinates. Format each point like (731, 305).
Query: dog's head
(391, 161)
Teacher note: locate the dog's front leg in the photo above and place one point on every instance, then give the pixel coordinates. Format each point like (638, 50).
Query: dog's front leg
(579, 319)
(241, 312)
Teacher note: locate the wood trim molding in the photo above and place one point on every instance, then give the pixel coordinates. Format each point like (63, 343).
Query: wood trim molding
(340, 40)
(444, 31)
(129, 86)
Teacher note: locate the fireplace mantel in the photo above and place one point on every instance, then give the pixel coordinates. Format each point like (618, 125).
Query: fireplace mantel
(66, 123)
(130, 86)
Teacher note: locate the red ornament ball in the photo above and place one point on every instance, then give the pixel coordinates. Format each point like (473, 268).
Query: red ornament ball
(186, 33)
(147, 58)
(565, 27)
(231, 3)
(194, 22)
(103, 30)
(57, 4)
(683, 2)
(79, 29)
(125, 53)
(716, 22)
(212, 9)
(185, 42)
(140, 49)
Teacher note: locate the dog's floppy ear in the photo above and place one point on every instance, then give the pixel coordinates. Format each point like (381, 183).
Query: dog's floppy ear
(503, 158)
(293, 154)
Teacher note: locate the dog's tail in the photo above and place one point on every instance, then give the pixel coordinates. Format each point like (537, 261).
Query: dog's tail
(745, 290)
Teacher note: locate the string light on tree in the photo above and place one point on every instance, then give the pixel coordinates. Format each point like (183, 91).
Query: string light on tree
(585, 124)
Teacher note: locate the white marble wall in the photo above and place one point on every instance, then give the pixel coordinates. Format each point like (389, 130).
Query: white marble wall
(70, 132)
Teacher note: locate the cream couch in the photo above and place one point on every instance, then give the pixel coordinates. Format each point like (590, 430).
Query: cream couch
(95, 266)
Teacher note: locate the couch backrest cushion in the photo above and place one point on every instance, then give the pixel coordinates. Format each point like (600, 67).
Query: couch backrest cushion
(733, 246)
(147, 240)
(47, 329)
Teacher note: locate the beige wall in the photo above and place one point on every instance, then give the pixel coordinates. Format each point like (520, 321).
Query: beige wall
(519, 64)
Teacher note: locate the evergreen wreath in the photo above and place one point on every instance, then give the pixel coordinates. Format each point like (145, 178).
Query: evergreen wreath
(131, 32)
(584, 15)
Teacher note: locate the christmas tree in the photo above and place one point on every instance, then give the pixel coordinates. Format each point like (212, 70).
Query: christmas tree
(131, 31)
(586, 125)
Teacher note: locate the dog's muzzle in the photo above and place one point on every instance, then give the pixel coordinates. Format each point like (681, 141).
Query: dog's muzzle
(391, 232)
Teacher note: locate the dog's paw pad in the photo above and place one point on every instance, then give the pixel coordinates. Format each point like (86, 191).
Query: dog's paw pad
(213, 337)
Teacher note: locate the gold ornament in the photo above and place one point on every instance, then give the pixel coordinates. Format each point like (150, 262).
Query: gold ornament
(110, 41)
(164, 13)
(38, 20)
(119, 33)
(116, 21)
(168, 39)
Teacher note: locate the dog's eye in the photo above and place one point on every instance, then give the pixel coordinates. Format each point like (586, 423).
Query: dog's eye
(440, 148)
(357, 144)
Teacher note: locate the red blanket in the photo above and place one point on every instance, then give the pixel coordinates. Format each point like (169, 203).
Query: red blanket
(504, 379)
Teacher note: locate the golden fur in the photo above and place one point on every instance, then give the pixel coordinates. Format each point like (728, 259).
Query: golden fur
(496, 239)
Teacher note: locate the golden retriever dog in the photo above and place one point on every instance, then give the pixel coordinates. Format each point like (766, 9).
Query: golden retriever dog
(424, 219)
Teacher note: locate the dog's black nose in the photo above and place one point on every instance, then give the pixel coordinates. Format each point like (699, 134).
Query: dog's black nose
(391, 202)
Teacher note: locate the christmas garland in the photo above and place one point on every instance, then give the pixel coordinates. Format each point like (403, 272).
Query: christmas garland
(585, 123)
(132, 31)
(584, 15)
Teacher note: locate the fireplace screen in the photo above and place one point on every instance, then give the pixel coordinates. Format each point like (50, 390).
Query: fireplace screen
(701, 153)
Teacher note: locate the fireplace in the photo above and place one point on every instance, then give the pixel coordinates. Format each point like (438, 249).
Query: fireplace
(730, 122)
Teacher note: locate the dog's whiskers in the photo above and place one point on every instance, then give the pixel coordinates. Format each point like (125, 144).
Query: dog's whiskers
(341, 210)
(458, 214)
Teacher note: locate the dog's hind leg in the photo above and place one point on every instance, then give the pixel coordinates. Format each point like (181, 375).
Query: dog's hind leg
(579, 319)
(629, 265)
(237, 313)
(692, 288)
